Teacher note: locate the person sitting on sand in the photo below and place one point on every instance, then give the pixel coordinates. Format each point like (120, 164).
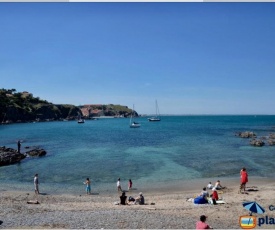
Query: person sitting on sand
(218, 185)
(214, 195)
(209, 186)
(204, 193)
(140, 199)
(201, 224)
(123, 199)
(244, 179)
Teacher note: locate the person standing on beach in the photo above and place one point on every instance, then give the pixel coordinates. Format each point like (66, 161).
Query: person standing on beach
(88, 186)
(201, 224)
(18, 146)
(118, 185)
(244, 179)
(130, 183)
(35, 181)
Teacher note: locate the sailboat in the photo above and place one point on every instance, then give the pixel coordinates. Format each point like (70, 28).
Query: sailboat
(79, 120)
(133, 124)
(157, 117)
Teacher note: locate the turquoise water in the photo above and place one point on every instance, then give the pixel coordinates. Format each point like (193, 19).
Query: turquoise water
(175, 150)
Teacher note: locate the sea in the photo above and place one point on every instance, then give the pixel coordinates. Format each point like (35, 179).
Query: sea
(159, 155)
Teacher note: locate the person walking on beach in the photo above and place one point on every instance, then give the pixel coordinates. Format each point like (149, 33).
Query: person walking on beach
(244, 179)
(118, 185)
(201, 224)
(18, 146)
(88, 186)
(35, 181)
(130, 183)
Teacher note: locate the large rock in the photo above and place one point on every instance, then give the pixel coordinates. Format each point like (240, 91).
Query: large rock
(246, 134)
(10, 156)
(36, 152)
(257, 143)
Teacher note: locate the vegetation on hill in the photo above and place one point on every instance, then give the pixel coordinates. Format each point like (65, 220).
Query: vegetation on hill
(24, 107)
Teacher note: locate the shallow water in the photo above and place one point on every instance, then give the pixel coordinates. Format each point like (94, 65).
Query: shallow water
(177, 150)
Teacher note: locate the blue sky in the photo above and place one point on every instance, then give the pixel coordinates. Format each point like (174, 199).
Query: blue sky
(194, 58)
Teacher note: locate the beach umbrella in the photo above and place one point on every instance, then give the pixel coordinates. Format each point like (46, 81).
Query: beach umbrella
(253, 207)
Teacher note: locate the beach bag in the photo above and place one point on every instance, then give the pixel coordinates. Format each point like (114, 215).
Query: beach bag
(131, 198)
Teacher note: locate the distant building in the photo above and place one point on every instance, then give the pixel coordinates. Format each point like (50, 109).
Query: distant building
(26, 94)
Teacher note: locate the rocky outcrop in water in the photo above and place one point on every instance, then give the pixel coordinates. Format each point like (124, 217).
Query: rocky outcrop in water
(36, 152)
(10, 156)
(257, 142)
(246, 134)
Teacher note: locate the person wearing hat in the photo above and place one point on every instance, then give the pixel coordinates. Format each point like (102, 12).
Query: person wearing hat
(140, 199)
(201, 224)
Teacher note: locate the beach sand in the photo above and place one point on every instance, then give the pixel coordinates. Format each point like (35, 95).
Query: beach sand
(170, 211)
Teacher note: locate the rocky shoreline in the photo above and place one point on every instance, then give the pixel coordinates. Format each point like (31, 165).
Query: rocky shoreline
(10, 156)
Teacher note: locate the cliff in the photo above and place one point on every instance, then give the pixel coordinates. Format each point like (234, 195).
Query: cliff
(95, 110)
(23, 107)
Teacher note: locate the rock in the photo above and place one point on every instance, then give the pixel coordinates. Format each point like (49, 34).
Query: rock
(271, 141)
(246, 134)
(36, 152)
(10, 156)
(257, 143)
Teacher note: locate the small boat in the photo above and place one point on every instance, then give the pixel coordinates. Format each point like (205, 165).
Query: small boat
(133, 124)
(157, 117)
(79, 119)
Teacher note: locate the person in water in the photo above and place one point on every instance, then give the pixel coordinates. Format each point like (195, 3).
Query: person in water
(130, 183)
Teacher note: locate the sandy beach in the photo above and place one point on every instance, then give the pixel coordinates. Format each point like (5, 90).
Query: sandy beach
(170, 210)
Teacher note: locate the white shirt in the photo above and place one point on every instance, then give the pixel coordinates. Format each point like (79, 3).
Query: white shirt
(210, 186)
(118, 183)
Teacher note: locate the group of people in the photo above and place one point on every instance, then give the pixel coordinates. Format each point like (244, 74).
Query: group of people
(118, 184)
(138, 200)
(201, 224)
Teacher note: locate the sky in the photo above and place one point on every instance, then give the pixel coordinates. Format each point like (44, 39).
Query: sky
(193, 58)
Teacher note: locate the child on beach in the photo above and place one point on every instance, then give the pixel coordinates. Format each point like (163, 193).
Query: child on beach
(130, 183)
(209, 186)
(244, 179)
(201, 224)
(88, 186)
